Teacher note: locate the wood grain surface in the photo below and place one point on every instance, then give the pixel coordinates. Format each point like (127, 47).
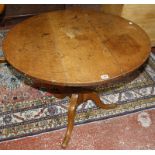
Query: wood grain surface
(141, 14)
(1, 8)
(76, 47)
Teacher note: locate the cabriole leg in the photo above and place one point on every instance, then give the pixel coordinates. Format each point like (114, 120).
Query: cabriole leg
(71, 115)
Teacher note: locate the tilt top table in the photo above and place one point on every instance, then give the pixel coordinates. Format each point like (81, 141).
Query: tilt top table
(76, 49)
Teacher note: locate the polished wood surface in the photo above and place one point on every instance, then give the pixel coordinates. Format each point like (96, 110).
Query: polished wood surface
(76, 47)
(141, 14)
(1, 8)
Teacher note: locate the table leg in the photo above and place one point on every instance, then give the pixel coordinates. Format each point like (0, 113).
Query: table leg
(77, 99)
(95, 97)
(71, 115)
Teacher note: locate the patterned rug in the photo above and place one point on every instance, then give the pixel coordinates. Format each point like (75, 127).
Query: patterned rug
(26, 111)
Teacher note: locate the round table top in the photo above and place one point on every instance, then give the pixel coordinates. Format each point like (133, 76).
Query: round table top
(76, 47)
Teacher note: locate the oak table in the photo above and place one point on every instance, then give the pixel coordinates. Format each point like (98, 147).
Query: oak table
(76, 49)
